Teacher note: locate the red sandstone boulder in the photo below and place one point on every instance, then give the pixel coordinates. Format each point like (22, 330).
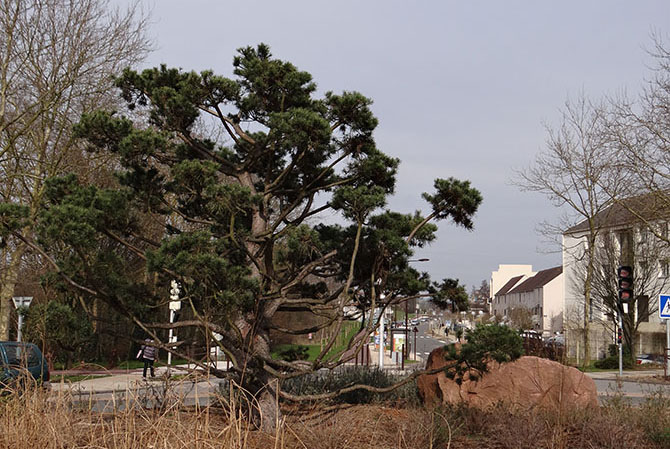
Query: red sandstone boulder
(525, 383)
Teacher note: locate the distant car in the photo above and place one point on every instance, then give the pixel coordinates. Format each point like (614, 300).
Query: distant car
(22, 359)
(645, 359)
(558, 340)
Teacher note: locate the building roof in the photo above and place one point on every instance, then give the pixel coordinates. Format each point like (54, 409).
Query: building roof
(627, 211)
(508, 285)
(541, 279)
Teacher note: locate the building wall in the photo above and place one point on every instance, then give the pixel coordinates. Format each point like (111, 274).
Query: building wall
(546, 303)
(552, 304)
(506, 272)
(501, 304)
(650, 339)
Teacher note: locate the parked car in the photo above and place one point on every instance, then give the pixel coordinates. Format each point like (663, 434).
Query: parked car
(22, 359)
(644, 359)
(555, 340)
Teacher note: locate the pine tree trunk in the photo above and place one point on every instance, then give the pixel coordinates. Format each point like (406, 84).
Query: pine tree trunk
(268, 415)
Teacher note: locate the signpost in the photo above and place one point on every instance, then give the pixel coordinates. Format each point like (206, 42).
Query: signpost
(664, 313)
(21, 301)
(415, 330)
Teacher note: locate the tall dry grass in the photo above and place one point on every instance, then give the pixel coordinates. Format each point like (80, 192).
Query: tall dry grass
(39, 419)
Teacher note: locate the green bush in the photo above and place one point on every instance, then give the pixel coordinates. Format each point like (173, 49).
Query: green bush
(319, 383)
(485, 343)
(293, 353)
(612, 362)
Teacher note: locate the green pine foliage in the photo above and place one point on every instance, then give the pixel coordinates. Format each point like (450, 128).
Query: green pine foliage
(221, 183)
(483, 345)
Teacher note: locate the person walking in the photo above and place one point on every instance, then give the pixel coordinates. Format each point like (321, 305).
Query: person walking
(148, 355)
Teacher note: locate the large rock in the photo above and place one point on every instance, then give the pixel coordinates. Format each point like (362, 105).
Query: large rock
(525, 383)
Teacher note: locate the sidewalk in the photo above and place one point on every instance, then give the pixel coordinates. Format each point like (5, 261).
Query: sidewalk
(389, 363)
(438, 333)
(628, 376)
(116, 380)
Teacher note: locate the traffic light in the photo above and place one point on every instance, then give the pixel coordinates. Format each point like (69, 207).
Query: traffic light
(625, 275)
(619, 335)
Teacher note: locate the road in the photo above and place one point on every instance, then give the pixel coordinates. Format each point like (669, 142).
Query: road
(425, 342)
(635, 391)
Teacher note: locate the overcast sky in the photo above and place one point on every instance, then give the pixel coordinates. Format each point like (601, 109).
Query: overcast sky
(461, 89)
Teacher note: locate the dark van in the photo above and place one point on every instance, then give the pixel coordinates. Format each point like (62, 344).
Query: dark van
(19, 359)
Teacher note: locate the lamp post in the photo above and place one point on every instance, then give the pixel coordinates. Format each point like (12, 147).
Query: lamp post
(407, 349)
(415, 332)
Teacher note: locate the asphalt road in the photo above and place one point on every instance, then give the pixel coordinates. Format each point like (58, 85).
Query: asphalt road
(425, 342)
(634, 391)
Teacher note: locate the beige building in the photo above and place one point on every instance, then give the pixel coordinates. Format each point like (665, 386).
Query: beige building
(540, 293)
(620, 236)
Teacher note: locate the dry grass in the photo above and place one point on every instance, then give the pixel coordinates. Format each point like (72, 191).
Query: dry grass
(38, 419)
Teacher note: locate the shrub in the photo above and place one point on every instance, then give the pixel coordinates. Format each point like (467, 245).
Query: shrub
(485, 343)
(293, 353)
(319, 383)
(612, 362)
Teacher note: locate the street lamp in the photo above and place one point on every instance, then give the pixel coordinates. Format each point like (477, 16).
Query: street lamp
(19, 302)
(406, 354)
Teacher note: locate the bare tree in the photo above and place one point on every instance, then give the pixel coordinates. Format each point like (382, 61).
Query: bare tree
(57, 61)
(639, 129)
(521, 317)
(648, 256)
(575, 173)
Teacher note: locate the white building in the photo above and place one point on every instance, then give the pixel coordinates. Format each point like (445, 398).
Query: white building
(540, 293)
(505, 272)
(621, 239)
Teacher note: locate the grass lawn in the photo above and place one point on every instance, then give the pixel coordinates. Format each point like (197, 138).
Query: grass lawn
(349, 329)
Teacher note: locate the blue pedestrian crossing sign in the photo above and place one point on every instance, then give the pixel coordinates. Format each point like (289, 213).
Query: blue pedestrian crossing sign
(664, 307)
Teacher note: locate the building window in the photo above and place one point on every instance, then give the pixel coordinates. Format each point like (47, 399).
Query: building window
(644, 268)
(643, 308)
(644, 235)
(664, 231)
(608, 271)
(664, 268)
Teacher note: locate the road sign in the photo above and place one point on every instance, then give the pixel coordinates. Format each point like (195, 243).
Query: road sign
(664, 307)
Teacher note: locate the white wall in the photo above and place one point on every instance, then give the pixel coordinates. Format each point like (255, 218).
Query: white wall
(552, 304)
(505, 273)
(573, 249)
(506, 302)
